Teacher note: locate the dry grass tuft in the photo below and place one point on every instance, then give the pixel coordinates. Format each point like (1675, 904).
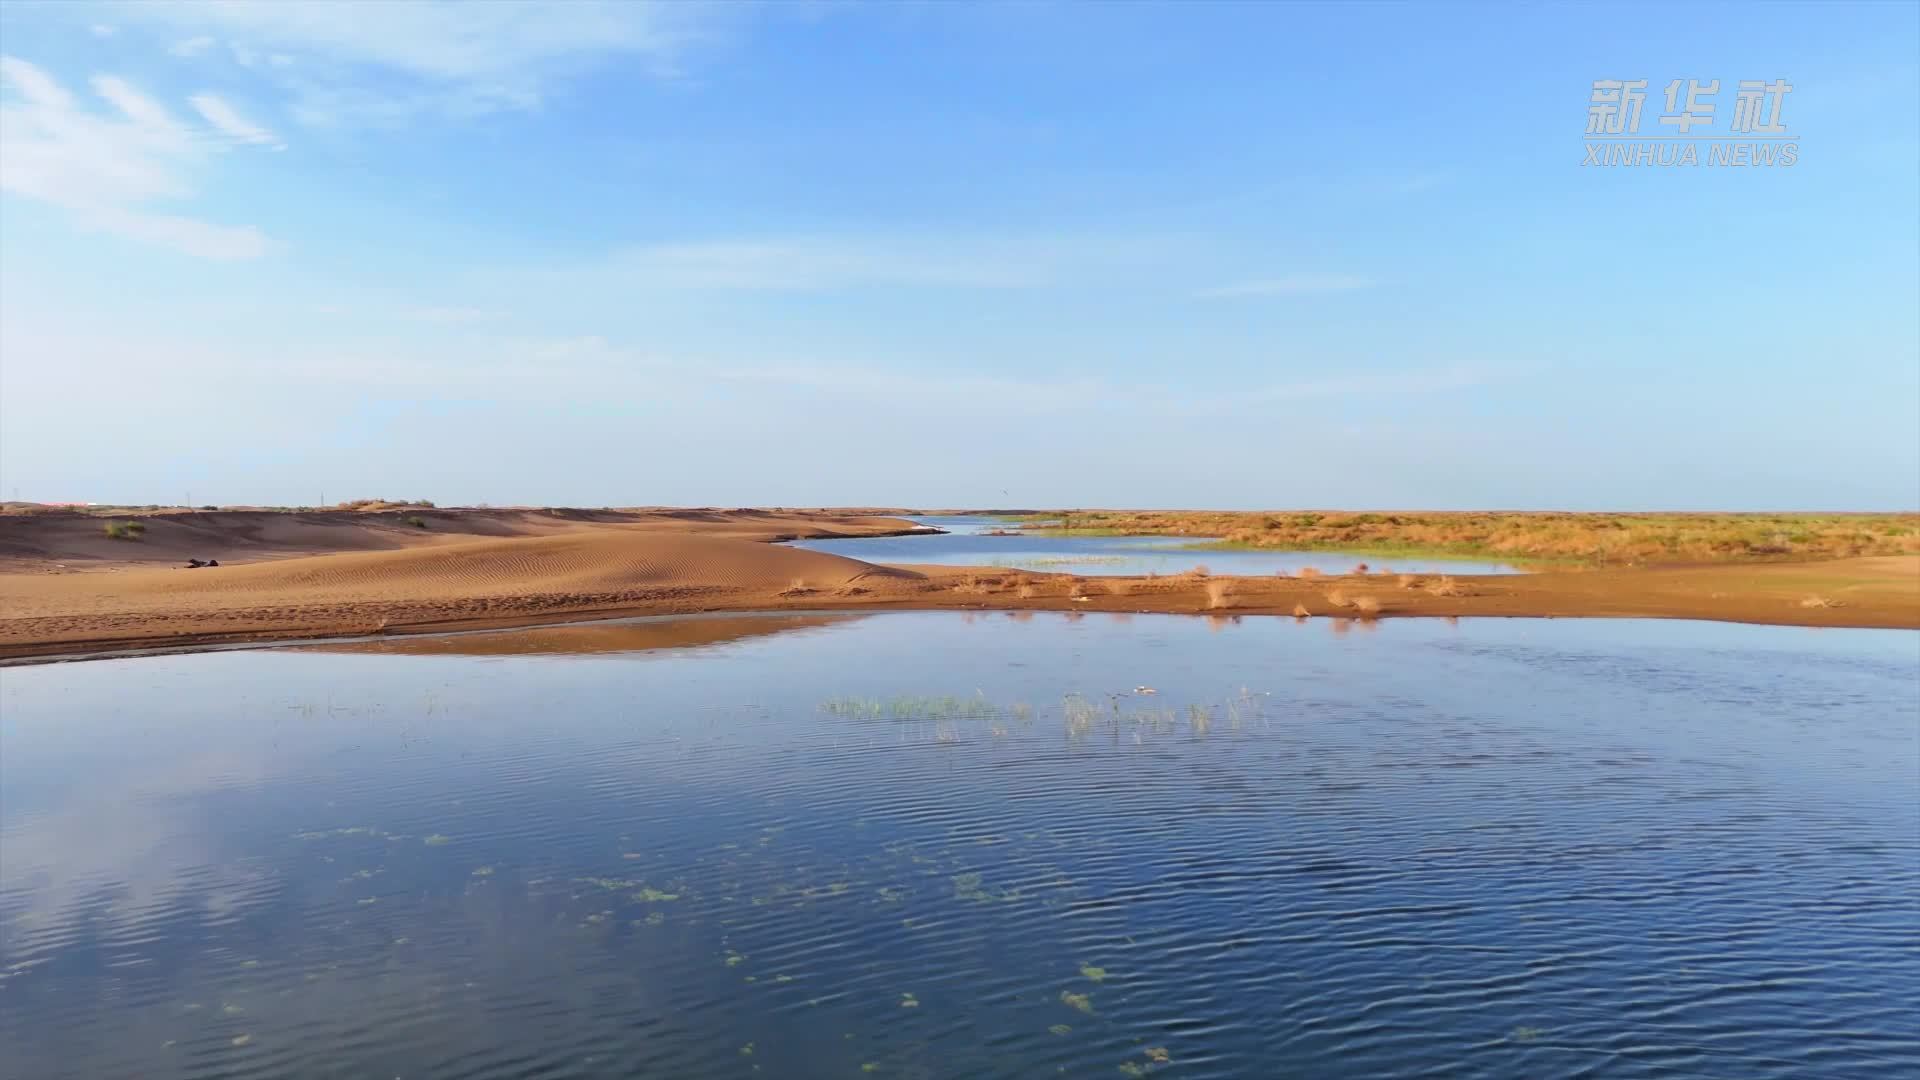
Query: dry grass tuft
(1366, 605)
(1819, 602)
(1300, 611)
(797, 587)
(1026, 590)
(1338, 598)
(1409, 581)
(1120, 587)
(979, 584)
(1446, 586)
(1309, 572)
(1219, 594)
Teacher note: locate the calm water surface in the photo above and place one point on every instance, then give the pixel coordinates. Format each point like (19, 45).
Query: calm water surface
(966, 543)
(943, 845)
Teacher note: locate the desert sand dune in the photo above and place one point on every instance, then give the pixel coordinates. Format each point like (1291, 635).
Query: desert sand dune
(472, 569)
(604, 568)
(69, 541)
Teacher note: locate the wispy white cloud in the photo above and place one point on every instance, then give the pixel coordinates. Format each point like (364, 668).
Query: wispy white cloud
(1044, 394)
(803, 264)
(593, 366)
(191, 47)
(102, 30)
(150, 116)
(229, 122)
(35, 85)
(351, 63)
(1292, 285)
(106, 170)
(453, 315)
(884, 258)
(202, 239)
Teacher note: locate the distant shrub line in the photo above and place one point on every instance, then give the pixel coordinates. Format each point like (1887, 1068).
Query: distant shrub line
(1591, 538)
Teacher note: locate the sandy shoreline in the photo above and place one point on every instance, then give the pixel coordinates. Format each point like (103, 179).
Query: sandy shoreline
(290, 577)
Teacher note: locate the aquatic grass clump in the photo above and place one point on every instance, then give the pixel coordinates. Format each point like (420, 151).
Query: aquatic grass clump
(946, 708)
(1079, 714)
(1246, 706)
(126, 530)
(1057, 560)
(1082, 1002)
(968, 887)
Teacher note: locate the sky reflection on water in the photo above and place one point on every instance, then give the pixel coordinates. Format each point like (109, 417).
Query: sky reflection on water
(945, 844)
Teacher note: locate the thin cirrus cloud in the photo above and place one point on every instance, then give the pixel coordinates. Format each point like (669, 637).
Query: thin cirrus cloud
(107, 167)
(882, 258)
(1292, 285)
(815, 263)
(191, 47)
(228, 121)
(382, 64)
(614, 369)
(453, 315)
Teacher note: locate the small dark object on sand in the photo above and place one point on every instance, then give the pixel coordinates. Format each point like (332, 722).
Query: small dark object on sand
(195, 564)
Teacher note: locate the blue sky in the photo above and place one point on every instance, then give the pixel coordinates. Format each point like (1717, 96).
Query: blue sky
(1032, 255)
